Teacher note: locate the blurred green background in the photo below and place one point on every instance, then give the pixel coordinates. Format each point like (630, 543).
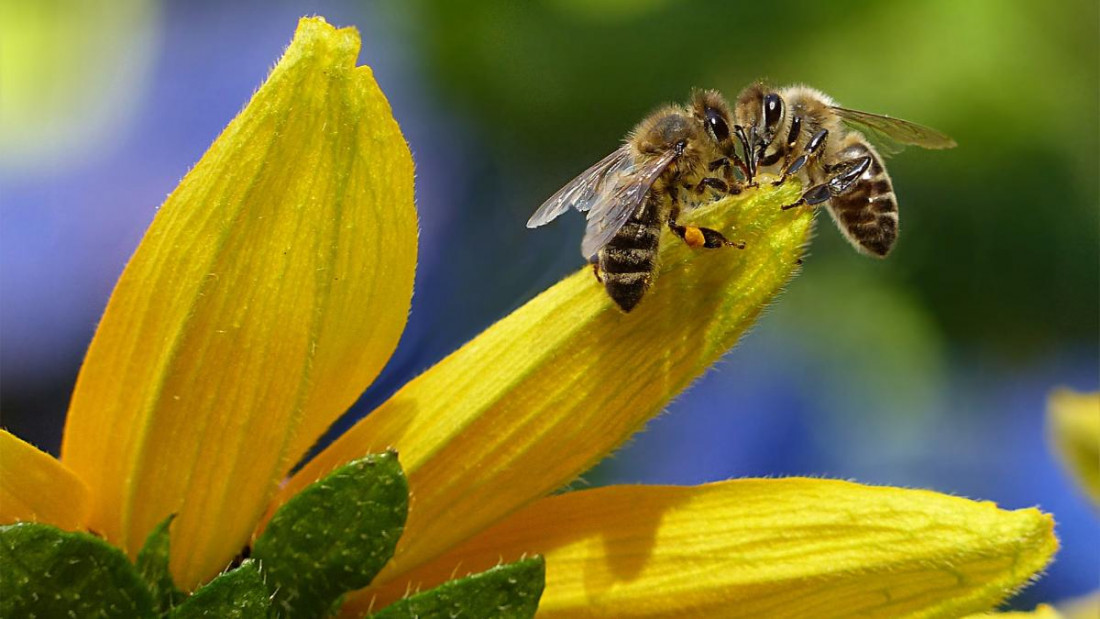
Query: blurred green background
(928, 369)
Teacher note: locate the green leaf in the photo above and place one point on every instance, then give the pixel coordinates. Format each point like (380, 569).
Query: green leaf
(47, 572)
(506, 591)
(237, 594)
(152, 564)
(335, 535)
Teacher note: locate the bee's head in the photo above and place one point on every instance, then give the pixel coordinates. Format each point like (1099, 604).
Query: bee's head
(760, 111)
(711, 110)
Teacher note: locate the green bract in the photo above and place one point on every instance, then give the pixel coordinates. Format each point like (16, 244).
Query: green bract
(47, 572)
(504, 592)
(334, 536)
(237, 594)
(152, 564)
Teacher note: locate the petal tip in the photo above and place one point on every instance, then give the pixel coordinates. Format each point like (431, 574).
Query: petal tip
(315, 35)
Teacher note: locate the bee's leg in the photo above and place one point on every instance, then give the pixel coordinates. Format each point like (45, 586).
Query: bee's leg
(726, 165)
(748, 164)
(718, 164)
(843, 176)
(713, 239)
(717, 184)
(814, 148)
(733, 185)
(595, 262)
(697, 237)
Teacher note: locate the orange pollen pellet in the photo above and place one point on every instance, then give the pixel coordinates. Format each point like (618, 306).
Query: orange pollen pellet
(694, 236)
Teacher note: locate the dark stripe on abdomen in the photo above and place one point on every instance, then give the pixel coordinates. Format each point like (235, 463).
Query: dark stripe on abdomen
(628, 261)
(868, 213)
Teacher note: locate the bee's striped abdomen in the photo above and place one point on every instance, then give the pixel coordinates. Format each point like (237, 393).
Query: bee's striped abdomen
(628, 262)
(867, 213)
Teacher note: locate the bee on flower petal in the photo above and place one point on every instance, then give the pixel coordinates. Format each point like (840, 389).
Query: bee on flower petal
(676, 158)
(801, 131)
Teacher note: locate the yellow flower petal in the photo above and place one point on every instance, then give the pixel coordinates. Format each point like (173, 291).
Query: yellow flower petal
(35, 487)
(548, 391)
(1084, 607)
(269, 291)
(758, 548)
(1073, 422)
(1042, 611)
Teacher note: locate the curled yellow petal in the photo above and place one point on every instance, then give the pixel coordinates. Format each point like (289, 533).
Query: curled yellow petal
(551, 389)
(1073, 423)
(35, 487)
(757, 548)
(268, 292)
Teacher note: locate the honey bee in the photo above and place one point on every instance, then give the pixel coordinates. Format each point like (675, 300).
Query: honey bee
(799, 130)
(676, 158)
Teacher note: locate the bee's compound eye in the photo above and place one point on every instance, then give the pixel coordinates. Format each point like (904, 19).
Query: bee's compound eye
(773, 110)
(717, 125)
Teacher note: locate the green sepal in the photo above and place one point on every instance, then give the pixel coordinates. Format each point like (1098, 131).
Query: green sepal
(509, 591)
(47, 572)
(236, 594)
(334, 536)
(152, 564)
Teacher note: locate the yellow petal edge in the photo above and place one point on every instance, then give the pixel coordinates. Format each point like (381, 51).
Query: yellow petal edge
(551, 389)
(35, 487)
(757, 548)
(1073, 423)
(268, 292)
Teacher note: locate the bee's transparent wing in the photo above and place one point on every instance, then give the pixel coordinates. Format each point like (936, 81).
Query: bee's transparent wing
(581, 192)
(891, 135)
(617, 200)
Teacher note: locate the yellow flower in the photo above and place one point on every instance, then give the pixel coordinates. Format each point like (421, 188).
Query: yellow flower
(1073, 422)
(274, 284)
(269, 291)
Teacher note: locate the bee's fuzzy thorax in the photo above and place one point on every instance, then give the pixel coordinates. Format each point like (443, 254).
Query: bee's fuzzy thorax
(662, 129)
(801, 91)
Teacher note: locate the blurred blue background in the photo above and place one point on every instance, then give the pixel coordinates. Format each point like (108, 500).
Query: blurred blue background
(930, 369)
